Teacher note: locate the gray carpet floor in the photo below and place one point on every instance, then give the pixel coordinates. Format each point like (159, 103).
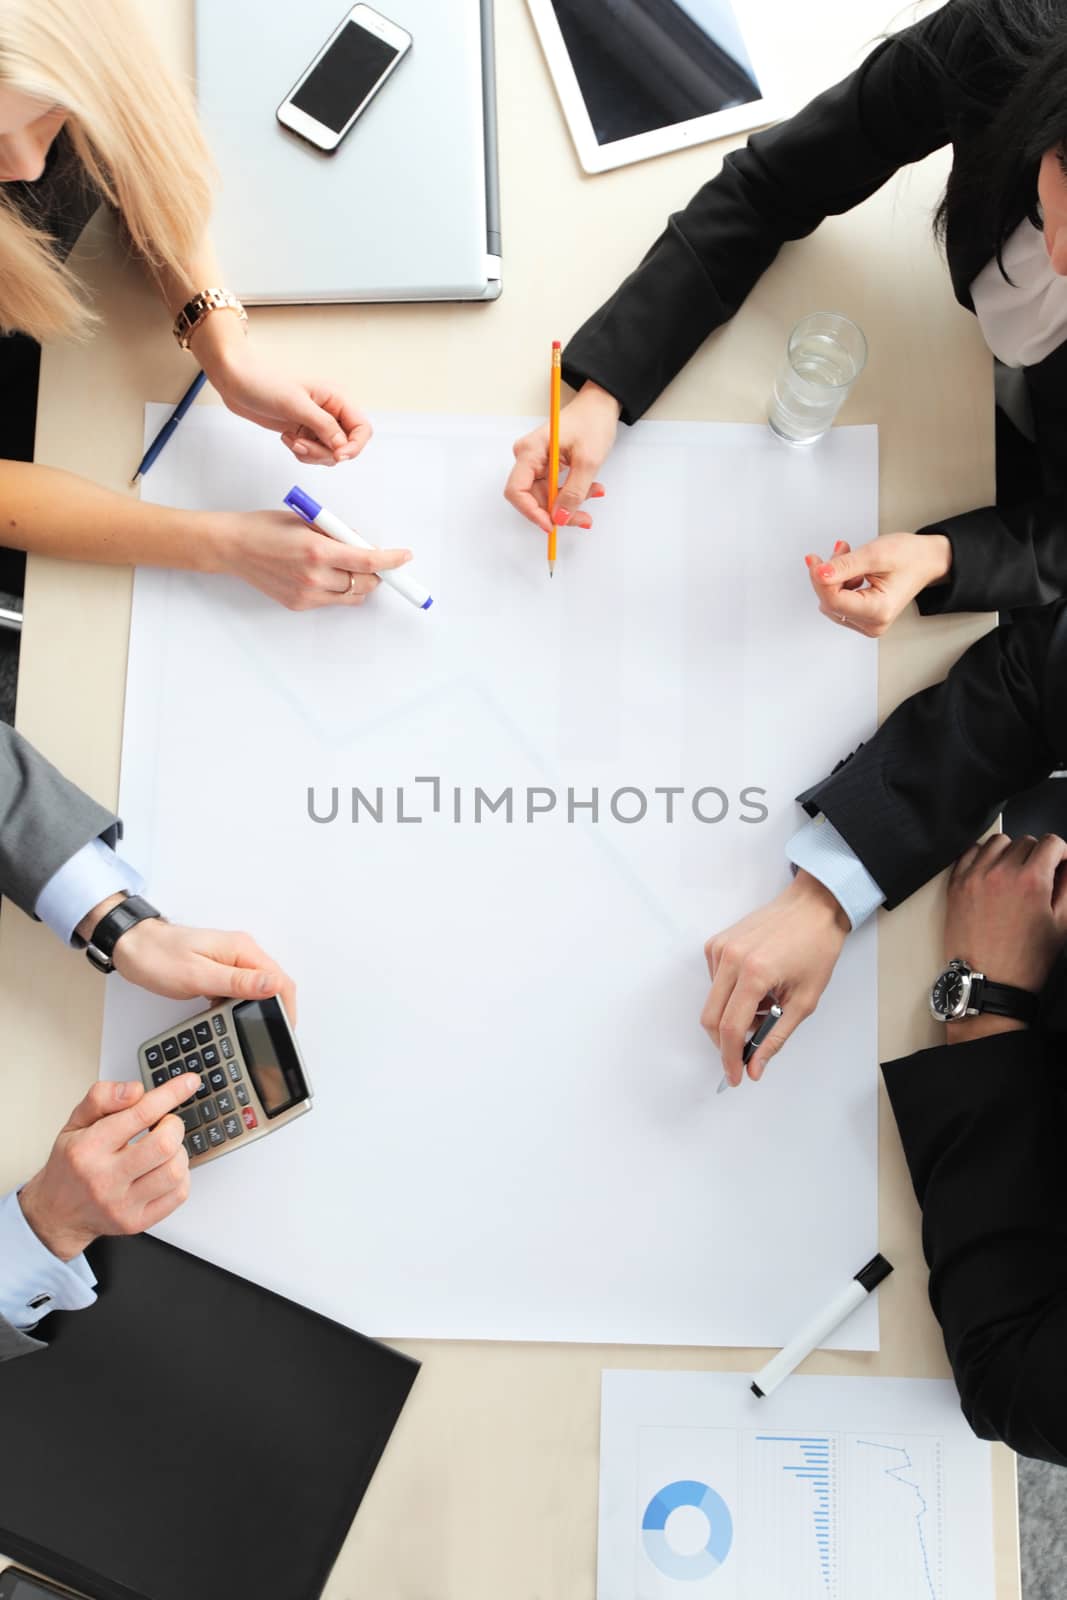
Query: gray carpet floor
(1042, 1489)
(1043, 1530)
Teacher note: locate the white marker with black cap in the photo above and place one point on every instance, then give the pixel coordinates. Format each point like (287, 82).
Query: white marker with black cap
(821, 1327)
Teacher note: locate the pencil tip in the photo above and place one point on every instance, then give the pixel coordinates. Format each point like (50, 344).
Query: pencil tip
(135, 480)
(551, 570)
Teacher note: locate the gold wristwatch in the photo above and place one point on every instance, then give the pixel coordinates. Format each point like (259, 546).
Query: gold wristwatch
(202, 305)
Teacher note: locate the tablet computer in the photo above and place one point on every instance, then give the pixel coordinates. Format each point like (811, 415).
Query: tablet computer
(637, 78)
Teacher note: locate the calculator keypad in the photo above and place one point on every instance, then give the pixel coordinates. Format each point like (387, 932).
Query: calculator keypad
(221, 1109)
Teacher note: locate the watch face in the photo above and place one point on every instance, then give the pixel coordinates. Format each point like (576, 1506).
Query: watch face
(948, 995)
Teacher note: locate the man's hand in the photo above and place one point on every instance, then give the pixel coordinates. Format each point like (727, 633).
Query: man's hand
(1007, 918)
(96, 1182)
(184, 963)
(787, 952)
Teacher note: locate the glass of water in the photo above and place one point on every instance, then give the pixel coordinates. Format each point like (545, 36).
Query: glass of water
(825, 355)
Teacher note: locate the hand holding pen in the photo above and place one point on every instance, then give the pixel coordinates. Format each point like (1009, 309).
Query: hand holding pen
(772, 1016)
(787, 949)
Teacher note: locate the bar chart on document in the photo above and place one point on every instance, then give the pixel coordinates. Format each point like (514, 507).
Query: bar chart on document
(888, 1511)
(851, 1515)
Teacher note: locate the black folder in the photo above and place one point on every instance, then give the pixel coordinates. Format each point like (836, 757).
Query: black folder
(191, 1436)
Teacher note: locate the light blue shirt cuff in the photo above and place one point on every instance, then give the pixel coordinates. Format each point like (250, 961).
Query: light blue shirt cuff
(33, 1281)
(820, 850)
(81, 883)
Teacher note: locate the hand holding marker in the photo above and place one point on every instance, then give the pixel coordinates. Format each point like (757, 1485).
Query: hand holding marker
(305, 506)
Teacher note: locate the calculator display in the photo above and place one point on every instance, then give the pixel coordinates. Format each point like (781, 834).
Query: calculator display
(269, 1055)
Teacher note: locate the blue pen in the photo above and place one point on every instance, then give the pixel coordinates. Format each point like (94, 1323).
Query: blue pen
(162, 437)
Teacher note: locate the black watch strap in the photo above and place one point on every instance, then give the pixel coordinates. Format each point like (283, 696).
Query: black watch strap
(1005, 1000)
(105, 936)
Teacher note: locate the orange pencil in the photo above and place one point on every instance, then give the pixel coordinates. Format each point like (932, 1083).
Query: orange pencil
(553, 455)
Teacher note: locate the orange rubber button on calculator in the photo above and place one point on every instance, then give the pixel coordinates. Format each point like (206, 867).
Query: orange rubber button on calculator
(249, 1117)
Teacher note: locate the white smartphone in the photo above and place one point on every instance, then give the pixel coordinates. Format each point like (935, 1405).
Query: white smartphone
(344, 77)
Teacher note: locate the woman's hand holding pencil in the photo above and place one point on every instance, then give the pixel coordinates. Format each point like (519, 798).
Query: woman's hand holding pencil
(587, 428)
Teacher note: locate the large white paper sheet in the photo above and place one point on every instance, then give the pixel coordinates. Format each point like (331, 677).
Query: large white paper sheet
(831, 1489)
(515, 1132)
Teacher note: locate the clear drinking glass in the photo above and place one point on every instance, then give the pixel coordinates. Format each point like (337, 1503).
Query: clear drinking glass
(825, 355)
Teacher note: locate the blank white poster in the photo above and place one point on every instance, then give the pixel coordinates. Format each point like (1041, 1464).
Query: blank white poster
(489, 841)
(831, 1489)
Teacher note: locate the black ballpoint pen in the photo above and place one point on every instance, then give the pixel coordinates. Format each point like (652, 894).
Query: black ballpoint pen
(773, 1016)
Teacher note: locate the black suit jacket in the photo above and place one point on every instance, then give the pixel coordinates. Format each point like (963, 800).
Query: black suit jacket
(935, 84)
(984, 1126)
(940, 768)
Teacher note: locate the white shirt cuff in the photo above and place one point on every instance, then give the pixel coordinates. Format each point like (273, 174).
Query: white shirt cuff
(820, 850)
(33, 1281)
(90, 875)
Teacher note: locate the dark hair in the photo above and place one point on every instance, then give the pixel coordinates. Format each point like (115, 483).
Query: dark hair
(1011, 90)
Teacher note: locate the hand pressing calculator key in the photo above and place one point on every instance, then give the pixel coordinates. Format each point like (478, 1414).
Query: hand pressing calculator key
(252, 1079)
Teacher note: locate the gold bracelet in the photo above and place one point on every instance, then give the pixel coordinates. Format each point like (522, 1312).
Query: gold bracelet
(201, 306)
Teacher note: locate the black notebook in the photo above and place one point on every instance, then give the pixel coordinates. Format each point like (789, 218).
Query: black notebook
(191, 1436)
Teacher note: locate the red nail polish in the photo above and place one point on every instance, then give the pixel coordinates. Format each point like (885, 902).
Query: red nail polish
(839, 546)
(599, 492)
(825, 573)
(561, 516)
(808, 561)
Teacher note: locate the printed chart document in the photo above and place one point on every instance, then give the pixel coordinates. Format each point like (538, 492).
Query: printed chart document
(489, 841)
(830, 1489)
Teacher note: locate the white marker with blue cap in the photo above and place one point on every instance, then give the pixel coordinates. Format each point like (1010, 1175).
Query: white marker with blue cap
(306, 506)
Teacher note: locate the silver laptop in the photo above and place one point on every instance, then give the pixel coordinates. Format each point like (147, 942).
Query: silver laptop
(406, 209)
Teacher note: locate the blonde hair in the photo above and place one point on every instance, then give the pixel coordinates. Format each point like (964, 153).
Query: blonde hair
(135, 132)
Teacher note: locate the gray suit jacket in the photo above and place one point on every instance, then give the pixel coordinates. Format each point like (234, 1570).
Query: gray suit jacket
(44, 820)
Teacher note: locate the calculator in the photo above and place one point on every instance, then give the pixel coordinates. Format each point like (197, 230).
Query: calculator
(252, 1078)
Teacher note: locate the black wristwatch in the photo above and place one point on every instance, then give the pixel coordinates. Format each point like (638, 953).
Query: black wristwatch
(959, 992)
(100, 949)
